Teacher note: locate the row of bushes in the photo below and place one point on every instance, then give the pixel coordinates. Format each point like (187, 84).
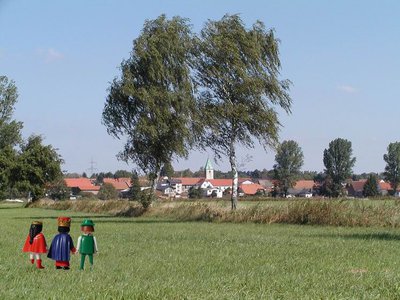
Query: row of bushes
(310, 212)
(305, 212)
(119, 208)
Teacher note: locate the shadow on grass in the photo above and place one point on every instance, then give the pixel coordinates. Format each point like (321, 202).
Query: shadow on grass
(6, 207)
(108, 219)
(382, 236)
(65, 215)
(143, 221)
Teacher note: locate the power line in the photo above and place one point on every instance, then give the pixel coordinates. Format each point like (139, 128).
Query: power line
(92, 166)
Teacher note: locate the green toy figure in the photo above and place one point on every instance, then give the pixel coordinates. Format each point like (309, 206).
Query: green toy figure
(87, 244)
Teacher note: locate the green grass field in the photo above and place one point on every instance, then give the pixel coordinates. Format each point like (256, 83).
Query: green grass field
(149, 258)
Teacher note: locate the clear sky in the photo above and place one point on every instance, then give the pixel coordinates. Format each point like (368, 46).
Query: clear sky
(342, 56)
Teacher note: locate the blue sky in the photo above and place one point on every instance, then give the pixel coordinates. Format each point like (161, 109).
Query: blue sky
(342, 57)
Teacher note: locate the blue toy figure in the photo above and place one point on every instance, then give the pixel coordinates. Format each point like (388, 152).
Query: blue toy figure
(62, 244)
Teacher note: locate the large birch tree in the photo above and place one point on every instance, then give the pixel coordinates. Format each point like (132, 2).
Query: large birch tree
(150, 104)
(237, 73)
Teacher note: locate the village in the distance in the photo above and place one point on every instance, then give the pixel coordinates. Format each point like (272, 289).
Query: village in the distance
(251, 185)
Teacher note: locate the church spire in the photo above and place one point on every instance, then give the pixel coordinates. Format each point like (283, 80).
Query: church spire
(209, 169)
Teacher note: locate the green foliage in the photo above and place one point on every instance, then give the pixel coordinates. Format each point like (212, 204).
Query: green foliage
(308, 175)
(260, 193)
(37, 165)
(392, 168)
(10, 130)
(72, 175)
(107, 192)
(227, 191)
(151, 104)
(100, 176)
(338, 163)
(145, 198)
(122, 174)
(200, 172)
(195, 193)
(237, 72)
(184, 173)
(58, 190)
(27, 172)
(135, 189)
(8, 161)
(371, 186)
(289, 160)
(87, 195)
(167, 170)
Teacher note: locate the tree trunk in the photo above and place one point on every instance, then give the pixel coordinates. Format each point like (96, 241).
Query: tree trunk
(232, 160)
(155, 179)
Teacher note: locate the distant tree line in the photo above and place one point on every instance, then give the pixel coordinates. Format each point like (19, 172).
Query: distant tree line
(214, 90)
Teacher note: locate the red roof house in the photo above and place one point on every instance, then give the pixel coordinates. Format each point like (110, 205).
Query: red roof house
(119, 184)
(81, 185)
(251, 189)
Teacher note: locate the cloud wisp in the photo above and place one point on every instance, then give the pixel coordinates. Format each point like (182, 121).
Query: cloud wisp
(347, 89)
(50, 55)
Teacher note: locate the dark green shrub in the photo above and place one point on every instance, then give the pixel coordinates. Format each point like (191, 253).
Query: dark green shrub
(107, 192)
(59, 191)
(195, 193)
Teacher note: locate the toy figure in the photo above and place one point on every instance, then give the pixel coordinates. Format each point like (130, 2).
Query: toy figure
(35, 243)
(87, 244)
(62, 244)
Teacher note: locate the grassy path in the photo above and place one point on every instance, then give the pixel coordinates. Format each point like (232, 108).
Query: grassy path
(142, 258)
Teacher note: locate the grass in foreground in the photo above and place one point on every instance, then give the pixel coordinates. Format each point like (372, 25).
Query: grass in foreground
(145, 258)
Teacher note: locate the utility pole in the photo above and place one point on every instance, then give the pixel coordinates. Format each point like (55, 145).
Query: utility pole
(92, 166)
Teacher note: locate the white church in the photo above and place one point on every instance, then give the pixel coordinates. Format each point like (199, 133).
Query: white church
(211, 187)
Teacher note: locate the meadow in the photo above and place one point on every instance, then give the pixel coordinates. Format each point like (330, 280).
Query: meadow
(150, 257)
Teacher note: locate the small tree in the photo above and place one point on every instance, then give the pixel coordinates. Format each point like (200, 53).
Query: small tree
(227, 191)
(167, 170)
(58, 190)
(135, 189)
(289, 160)
(260, 193)
(195, 193)
(122, 174)
(338, 163)
(8, 161)
(370, 188)
(107, 192)
(10, 130)
(37, 165)
(392, 168)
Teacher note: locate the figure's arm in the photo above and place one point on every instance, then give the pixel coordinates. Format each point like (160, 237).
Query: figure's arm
(72, 248)
(45, 244)
(95, 245)
(79, 243)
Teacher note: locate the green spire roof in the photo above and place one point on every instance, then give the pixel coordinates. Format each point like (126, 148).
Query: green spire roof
(209, 165)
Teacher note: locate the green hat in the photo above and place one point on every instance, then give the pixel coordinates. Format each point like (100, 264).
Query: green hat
(87, 222)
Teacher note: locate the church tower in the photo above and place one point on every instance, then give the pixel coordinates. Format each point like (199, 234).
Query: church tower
(209, 169)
